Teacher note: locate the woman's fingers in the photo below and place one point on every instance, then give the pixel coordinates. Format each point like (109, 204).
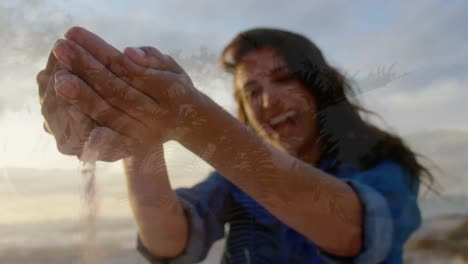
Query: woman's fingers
(152, 58)
(42, 80)
(43, 76)
(70, 131)
(70, 127)
(164, 76)
(114, 75)
(120, 65)
(110, 87)
(114, 60)
(149, 92)
(164, 79)
(104, 67)
(79, 94)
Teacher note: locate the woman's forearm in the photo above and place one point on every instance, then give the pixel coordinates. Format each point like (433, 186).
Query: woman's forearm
(159, 215)
(314, 203)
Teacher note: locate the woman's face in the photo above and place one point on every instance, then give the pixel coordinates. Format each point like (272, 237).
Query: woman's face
(277, 106)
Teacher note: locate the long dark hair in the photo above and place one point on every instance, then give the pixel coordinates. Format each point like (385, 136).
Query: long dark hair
(345, 136)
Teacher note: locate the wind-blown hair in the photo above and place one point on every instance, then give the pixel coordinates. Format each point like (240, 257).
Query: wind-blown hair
(344, 135)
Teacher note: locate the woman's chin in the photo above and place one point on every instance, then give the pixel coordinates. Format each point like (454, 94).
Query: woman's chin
(283, 144)
(287, 147)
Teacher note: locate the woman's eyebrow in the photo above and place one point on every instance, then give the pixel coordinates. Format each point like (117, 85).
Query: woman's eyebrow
(275, 70)
(249, 83)
(279, 69)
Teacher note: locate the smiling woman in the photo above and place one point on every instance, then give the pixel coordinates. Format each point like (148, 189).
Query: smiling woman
(276, 104)
(309, 182)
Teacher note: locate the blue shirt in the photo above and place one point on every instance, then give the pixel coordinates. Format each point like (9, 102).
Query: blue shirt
(391, 214)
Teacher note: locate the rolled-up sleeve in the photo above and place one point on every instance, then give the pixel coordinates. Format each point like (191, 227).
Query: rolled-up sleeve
(204, 206)
(390, 215)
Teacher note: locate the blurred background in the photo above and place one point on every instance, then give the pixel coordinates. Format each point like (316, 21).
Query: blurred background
(407, 60)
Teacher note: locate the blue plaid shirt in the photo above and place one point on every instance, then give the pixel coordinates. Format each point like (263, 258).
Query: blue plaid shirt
(391, 214)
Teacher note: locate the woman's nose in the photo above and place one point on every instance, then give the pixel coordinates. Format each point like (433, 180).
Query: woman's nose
(269, 98)
(265, 100)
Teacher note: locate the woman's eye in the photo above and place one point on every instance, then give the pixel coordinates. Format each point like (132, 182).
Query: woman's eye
(254, 92)
(284, 78)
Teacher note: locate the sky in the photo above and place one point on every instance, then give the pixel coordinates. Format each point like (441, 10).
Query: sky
(423, 43)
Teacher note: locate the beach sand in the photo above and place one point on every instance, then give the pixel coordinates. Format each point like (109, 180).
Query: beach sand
(109, 255)
(436, 229)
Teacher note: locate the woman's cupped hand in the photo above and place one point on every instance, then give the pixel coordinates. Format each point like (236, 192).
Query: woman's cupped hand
(125, 102)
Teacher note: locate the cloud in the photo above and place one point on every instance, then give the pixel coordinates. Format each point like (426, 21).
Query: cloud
(414, 35)
(2, 106)
(422, 36)
(29, 28)
(431, 98)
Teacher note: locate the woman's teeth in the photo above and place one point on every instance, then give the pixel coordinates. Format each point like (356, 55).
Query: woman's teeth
(282, 117)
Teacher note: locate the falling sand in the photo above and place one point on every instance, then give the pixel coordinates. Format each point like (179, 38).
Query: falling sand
(90, 254)
(90, 208)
